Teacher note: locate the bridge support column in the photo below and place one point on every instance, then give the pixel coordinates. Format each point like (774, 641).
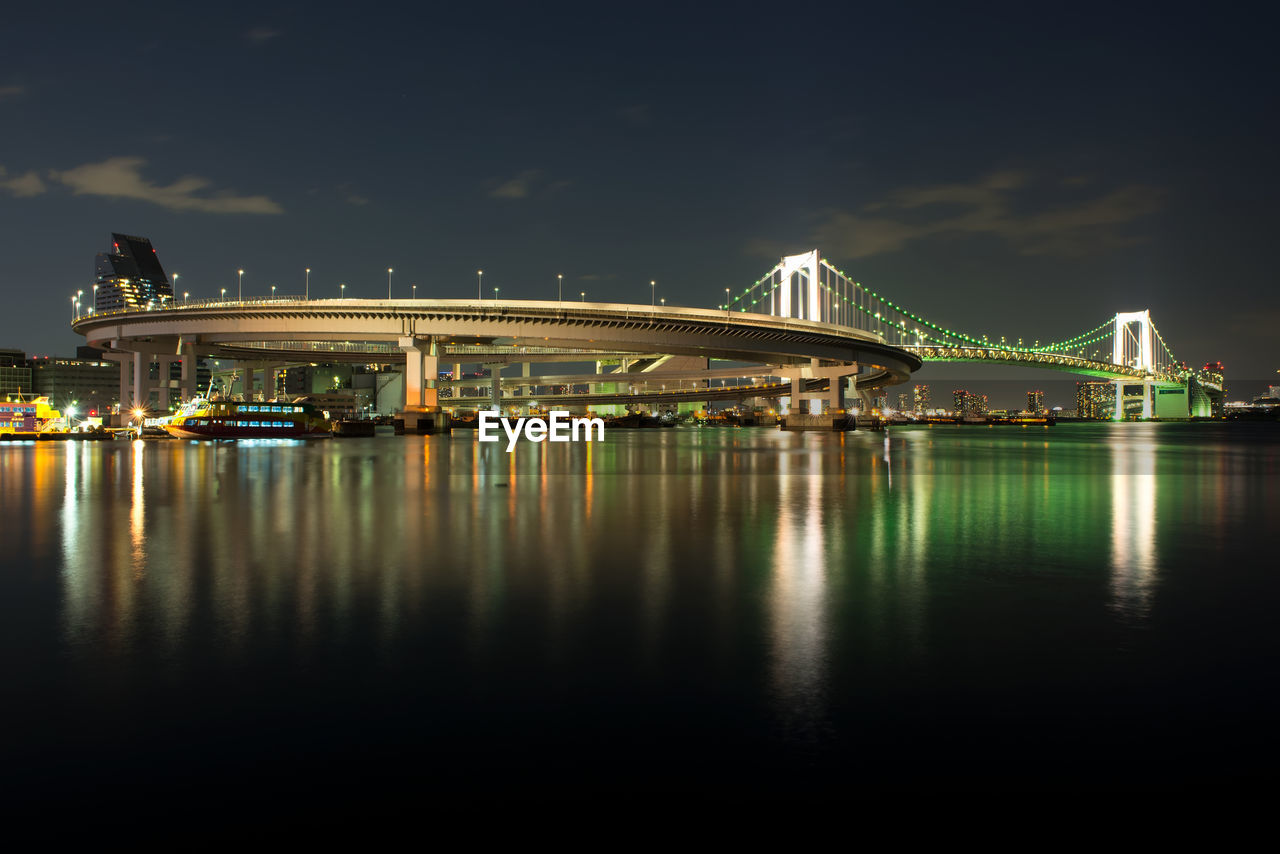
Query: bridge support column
(495, 387)
(188, 377)
(125, 363)
(246, 379)
(421, 367)
(141, 379)
(797, 389)
(164, 370)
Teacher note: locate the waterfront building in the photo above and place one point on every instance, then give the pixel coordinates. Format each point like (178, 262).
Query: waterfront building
(94, 385)
(1035, 402)
(130, 277)
(904, 402)
(15, 373)
(922, 398)
(1095, 400)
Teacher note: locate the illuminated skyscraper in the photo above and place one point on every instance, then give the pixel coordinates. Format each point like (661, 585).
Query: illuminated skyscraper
(904, 402)
(1095, 400)
(922, 399)
(130, 277)
(1035, 401)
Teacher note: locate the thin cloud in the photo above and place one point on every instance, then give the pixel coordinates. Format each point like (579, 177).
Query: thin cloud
(261, 35)
(991, 206)
(121, 178)
(21, 186)
(7, 92)
(518, 187)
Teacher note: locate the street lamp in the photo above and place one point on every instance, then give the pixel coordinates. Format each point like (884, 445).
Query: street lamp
(415, 291)
(653, 293)
(186, 297)
(479, 282)
(175, 283)
(663, 301)
(307, 291)
(583, 294)
(273, 291)
(241, 285)
(342, 290)
(726, 306)
(73, 306)
(389, 272)
(560, 279)
(224, 294)
(495, 294)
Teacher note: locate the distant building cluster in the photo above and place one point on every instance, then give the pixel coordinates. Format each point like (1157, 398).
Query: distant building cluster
(966, 402)
(1035, 402)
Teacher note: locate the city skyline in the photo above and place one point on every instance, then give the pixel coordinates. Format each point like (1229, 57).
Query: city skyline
(1012, 195)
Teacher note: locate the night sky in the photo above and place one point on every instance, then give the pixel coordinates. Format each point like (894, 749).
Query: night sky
(1023, 171)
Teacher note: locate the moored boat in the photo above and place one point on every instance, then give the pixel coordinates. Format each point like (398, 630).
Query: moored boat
(229, 419)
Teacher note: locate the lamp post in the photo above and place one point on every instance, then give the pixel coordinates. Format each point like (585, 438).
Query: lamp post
(663, 301)
(175, 283)
(726, 306)
(241, 285)
(224, 294)
(342, 290)
(273, 291)
(560, 294)
(583, 294)
(495, 294)
(415, 291)
(307, 292)
(186, 297)
(389, 272)
(479, 282)
(73, 306)
(653, 293)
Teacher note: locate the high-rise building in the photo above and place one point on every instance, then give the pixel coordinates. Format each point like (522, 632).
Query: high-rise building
(904, 402)
(129, 277)
(15, 373)
(1095, 400)
(959, 401)
(1035, 401)
(922, 399)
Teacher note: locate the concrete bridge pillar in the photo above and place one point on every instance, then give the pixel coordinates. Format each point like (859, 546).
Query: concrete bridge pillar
(797, 390)
(421, 367)
(495, 387)
(188, 377)
(141, 379)
(164, 369)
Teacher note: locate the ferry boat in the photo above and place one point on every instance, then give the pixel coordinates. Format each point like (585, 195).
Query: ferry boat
(31, 415)
(230, 419)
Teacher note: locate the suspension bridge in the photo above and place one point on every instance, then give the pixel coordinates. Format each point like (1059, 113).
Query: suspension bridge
(1126, 347)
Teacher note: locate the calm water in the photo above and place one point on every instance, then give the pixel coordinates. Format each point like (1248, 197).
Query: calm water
(690, 612)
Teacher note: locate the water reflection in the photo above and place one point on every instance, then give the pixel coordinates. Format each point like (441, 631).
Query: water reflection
(1134, 523)
(797, 601)
(756, 559)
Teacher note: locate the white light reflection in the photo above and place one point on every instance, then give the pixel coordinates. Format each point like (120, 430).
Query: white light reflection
(797, 600)
(1133, 528)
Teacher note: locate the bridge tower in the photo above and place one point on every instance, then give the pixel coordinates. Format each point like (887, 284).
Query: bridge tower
(1133, 345)
(809, 304)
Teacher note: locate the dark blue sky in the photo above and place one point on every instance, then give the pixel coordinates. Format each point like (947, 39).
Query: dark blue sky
(1021, 171)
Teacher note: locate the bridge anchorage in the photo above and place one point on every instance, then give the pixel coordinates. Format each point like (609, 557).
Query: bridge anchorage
(805, 331)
